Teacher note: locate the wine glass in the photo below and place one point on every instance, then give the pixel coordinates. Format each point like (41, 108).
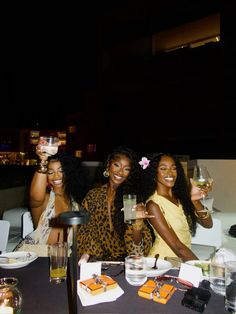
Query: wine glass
(202, 180)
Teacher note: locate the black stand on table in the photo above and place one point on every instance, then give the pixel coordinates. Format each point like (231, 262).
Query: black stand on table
(73, 218)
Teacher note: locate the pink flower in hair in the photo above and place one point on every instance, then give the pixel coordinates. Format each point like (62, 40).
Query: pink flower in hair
(144, 162)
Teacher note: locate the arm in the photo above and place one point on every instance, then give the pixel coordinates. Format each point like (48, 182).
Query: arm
(168, 234)
(203, 215)
(38, 197)
(139, 230)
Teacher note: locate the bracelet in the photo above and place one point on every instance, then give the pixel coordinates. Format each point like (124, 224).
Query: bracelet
(42, 166)
(207, 215)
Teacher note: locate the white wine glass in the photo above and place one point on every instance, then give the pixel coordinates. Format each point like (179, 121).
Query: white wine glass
(202, 180)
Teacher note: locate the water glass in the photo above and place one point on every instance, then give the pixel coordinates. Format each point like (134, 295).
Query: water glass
(129, 200)
(135, 270)
(230, 286)
(58, 255)
(217, 274)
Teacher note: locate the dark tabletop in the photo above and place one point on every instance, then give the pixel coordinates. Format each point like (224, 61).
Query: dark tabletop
(42, 297)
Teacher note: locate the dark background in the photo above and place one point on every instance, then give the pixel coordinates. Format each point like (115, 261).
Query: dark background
(52, 59)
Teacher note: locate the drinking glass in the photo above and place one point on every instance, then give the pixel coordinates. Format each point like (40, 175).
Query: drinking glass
(49, 145)
(217, 274)
(202, 179)
(58, 254)
(230, 286)
(135, 270)
(129, 200)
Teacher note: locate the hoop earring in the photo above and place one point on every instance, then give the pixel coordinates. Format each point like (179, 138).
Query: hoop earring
(106, 173)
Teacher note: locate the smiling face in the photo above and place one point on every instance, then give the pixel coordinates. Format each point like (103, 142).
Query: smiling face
(167, 171)
(55, 175)
(119, 169)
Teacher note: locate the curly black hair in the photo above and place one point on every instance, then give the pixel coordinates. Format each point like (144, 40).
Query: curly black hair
(130, 186)
(180, 190)
(75, 182)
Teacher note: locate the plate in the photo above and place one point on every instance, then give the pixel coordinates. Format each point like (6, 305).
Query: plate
(205, 265)
(162, 266)
(18, 259)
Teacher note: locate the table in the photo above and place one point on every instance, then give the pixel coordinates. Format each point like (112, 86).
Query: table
(42, 297)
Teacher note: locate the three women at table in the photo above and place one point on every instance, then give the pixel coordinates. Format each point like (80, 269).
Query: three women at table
(175, 207)
(106, 236)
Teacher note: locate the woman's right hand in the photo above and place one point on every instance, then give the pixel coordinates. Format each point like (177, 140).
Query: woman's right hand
(43, 156)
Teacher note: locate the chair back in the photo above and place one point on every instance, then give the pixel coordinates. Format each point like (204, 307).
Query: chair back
(14, 216)
(4, 233)
(27, 224)
(209, 237)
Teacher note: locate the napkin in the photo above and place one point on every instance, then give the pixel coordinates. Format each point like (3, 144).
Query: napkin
(108, 296)
(190, 273)
(88, 269)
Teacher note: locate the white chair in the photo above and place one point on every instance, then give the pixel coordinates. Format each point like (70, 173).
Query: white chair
(14, 216)
(27, 224)
(207, 241)
(4, 234)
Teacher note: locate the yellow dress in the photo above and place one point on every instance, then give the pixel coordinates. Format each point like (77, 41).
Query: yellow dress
(176, 219)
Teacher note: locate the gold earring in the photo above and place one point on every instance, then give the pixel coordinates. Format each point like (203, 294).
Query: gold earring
(106, 173)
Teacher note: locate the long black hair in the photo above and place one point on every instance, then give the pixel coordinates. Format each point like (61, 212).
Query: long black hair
(130, 186)
(74, 176)
(180, 190)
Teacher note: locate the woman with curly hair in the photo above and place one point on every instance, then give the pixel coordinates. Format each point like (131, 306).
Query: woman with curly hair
(175, 208)
(57, 186)
(106, 236)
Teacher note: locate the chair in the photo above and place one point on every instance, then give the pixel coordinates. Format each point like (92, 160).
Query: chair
(4, 234)
(14, 216)
(207, 241)
(27, 224)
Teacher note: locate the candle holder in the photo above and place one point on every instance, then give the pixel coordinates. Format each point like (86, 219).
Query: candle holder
(73, 219)
(10, 296)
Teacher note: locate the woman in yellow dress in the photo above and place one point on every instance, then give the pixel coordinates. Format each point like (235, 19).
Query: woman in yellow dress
(176, 208)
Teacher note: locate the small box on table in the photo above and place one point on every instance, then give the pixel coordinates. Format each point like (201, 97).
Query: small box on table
(156, 291)
(98, 284)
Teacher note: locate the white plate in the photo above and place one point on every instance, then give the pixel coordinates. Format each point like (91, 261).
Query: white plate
(18, 259)
(201, 262)
(162, 266)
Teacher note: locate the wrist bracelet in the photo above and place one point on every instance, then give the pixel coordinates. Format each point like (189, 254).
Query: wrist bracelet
(207, 214)
(42, 166)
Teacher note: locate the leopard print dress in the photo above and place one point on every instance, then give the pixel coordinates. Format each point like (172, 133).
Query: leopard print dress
(96, 237)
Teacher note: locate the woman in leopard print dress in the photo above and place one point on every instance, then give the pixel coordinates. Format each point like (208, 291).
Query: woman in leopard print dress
(106, 236)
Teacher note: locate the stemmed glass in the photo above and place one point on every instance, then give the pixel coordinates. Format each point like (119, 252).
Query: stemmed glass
(202, 179)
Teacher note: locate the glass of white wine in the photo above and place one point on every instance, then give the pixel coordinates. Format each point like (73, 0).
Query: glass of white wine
(202, 179)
